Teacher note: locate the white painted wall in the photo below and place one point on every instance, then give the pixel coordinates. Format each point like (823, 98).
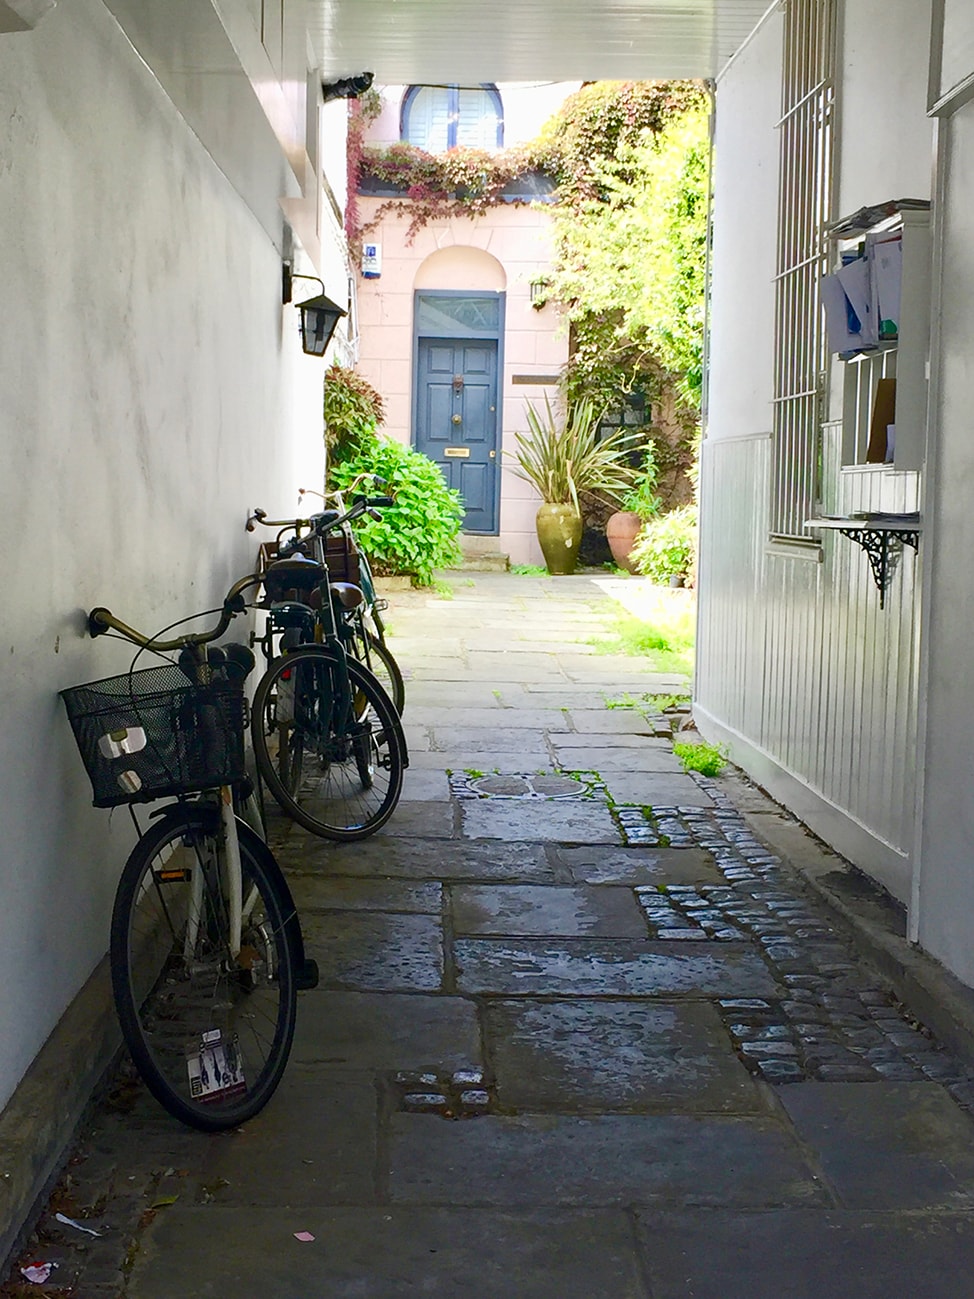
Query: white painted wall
(153, 391)
(884, 137)
(814, 687)
(945, 885)
(745, 221)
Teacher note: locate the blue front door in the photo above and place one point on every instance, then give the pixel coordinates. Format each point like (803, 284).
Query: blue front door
(456, 421)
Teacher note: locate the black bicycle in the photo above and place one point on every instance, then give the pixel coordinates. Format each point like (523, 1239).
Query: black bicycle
(359, 613)
(206, 948)
(327, 737)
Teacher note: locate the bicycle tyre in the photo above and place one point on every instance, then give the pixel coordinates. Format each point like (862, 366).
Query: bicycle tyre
(375, 655)
(169, 997)
(335, 800)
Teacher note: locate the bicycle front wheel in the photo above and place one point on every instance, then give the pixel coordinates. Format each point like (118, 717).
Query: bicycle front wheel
(208, 1029)
(349, 737)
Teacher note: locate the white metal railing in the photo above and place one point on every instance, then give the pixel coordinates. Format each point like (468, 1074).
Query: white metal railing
(804, 209)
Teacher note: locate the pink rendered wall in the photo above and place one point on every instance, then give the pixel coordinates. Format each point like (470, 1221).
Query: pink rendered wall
(516, 241)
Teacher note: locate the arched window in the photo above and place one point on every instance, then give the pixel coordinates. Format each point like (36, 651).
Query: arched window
(436, 118)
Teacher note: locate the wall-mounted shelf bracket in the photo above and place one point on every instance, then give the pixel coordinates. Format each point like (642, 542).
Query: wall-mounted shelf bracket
(881, 536)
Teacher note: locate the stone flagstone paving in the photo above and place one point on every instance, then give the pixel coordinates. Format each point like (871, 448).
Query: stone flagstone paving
(580, 1034)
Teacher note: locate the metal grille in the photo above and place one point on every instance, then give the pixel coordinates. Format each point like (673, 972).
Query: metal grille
(804, 208)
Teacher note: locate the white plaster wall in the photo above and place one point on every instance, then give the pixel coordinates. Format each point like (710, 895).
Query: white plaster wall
(151, 392)
(813, 686)
(885, 139)
(748, 99)
(945, 892)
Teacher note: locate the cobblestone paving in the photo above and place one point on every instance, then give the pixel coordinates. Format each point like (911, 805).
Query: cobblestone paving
(833, 1024)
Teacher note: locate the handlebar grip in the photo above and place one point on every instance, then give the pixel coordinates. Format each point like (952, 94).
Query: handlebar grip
(97, 625)
(381, 502)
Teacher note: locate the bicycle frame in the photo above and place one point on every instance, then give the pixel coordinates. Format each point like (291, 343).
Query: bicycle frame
(101, 620)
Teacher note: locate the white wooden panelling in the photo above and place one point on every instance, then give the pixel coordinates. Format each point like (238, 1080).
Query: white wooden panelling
(426, 41)
(797, 656)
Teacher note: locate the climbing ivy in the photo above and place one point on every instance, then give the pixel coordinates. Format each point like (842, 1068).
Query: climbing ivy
(631, 257)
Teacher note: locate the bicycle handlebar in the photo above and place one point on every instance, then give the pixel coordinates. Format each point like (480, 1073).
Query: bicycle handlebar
(331, 521)
(101, 620)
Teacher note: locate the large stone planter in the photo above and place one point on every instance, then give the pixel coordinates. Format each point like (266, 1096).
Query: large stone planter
(559, 530)
(621, 531)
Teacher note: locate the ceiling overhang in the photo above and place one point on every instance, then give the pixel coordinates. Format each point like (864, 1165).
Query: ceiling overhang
(434, 41)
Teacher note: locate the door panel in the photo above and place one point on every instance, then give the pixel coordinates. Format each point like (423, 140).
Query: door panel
(457, 423)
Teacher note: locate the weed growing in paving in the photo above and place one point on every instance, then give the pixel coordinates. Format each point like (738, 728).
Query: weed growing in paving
(664, 636)
(648, 705)
(529, 570)
(708, 759)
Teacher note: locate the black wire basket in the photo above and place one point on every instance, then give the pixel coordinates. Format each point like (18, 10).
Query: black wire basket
(155, 732)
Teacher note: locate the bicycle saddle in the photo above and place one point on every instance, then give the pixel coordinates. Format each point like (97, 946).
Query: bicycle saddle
(347, 594)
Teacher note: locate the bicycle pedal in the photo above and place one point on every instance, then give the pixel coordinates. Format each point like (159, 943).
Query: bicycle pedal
(380, 605)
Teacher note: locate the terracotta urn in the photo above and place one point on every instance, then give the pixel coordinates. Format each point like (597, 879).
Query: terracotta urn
(621, 531)
(559, 530)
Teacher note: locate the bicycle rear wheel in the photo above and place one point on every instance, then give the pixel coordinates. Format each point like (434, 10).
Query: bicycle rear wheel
(353, 757)
(375, 655)
(209, 1032)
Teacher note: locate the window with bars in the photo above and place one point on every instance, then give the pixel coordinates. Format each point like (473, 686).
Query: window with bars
(804, 209)
(436, 118)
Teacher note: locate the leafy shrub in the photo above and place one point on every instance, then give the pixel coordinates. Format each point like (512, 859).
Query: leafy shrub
(353, 411)
(419, 533)
(666, 546)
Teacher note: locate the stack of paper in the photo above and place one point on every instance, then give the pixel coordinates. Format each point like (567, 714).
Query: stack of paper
(862, 298)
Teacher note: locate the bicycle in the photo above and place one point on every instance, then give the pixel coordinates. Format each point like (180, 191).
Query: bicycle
(327, 737)
(364, 628)
(206, 950)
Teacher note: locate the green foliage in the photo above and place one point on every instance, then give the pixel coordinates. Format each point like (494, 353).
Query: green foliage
(632, 251)
(418, 534)
(666, 546)
(600, 118)
(665, 639)
(563, 458)
(649, 705)
(353, 411)
(460, 182)
(529, 570)
(664, 703)
(660, 652)
(642, 499)
(708, 759)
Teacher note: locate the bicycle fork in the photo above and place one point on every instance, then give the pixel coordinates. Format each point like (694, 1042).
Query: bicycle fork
(234, 884)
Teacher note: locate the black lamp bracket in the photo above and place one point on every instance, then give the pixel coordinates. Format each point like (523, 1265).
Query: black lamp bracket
(288, 277)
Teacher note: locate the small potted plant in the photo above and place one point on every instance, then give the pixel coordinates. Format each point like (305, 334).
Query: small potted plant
(563, 458)
(638, 506)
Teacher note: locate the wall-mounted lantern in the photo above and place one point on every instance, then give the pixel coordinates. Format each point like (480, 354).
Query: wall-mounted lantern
(539, 287)
(319, 315)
